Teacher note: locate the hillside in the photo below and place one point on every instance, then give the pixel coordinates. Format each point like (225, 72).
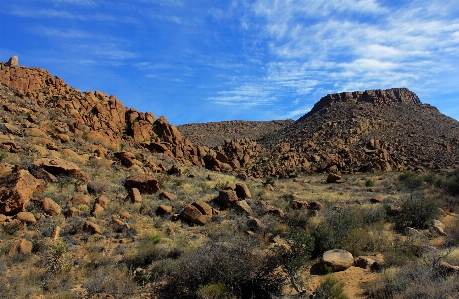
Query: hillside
(213, 134)
(98, 200)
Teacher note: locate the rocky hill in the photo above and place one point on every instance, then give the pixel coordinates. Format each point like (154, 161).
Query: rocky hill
(375, 130)
(213, 134)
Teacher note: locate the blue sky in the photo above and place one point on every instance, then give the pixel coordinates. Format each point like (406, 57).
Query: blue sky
(215, 60)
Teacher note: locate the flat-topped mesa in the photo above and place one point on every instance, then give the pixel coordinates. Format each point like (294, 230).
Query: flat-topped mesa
(378, 96)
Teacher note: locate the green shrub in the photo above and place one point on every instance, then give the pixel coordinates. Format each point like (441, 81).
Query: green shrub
(417, 212)
(301, 245)
(330, 288)
(369, 183)
(411, 180)
(2, 155)
(333, 231)
(212, 291)
(452, 183)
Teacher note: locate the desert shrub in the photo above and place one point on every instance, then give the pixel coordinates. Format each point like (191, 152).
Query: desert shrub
(243, 271)
(414, 281)
(297, 218)
(417, 212)
(213, 291)
(145, 253)
(113, 280)
(11, 227)
(411, 180)
(2, 155)
(369, 183)
(452, 183)
(401, 252)
(330, 288)
(372, 214)
(295, 256)
(333, 231)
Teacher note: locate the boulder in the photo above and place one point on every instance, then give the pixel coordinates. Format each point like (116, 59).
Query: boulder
(192, 213)
(334, 178)
(226, 198)
(81, 199)
(134, 195)
(315, 206)
(57, 166)
(92, 227)
(97, 210)
(255, 224)
(438, 227)
(243, 207)
(102, 200)
(13, 61)
(126, 158)
(145, 183)
(376, 199)
(204, 208)
(243, 191)
(167, 195)
(299, 204)
(22, 246)
(50, 207)
(26, 217)
(40, 173)
(16, 189)
(164, 210)
(337, 260)
(72, 212)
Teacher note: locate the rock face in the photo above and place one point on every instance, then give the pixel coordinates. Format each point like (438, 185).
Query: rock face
(13, 61)
(337, 260)
(16, 190)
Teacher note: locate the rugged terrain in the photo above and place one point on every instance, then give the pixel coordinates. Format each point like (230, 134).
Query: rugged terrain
(98, 200)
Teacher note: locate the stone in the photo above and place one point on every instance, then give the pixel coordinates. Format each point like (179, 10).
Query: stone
(145, 183)
(50, 207)
(299, 204)
(97, 211)
(255, 224)
(226, 198)
(102, 200)
(56, 232)
(13, 61)
(377, 199)
(164, 210)
(175, 170)
(72, 212)
(269, 187)
(212, 177)
(57, 166)
(243, 206)
(167, 195)
(337, 260)
(439, 227)
(243, 191)
(81, 199)
(315, 206)
(26, 217)
(334, 178)
(21, 246)
(134, 195)
(40, 173)
(274, 211)
(16, 190)
(92, 228)
(126, 158)
(204, 208)
(192, 213)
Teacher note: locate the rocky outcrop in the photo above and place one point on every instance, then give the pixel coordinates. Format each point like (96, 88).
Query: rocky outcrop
(57, 166)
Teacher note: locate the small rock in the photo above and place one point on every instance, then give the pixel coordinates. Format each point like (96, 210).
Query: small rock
(255, 224)
(72, 212)
(334, 178)
(377, 199)
(243, 191)
(135, 196)
(92, 228)
(50, 207)
(164, 210)
(167, 195)
(243, 206)
(21, 246)
(97, 210)
(226, 198)
(102, 200)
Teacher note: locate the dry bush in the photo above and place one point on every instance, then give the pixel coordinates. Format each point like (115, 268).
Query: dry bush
(113, 280)
(243, 270)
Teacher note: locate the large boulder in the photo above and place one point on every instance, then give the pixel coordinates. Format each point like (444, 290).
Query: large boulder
(243, 191)
(57, 166)
(194, 214)
(146, 183)
(50, 207)
(16, 189)
(226, 198)
(337, 260)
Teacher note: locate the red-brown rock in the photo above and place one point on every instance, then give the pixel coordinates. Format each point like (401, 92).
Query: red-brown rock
(16, 189)
(145, 183)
